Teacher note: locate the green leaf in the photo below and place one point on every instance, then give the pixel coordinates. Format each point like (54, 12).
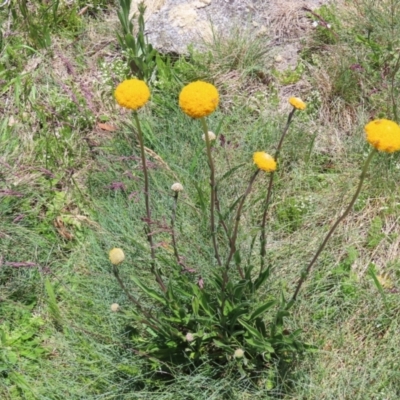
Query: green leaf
(261, 345)
(195, 306)
(262, 277)
(20, 381)
(150, 292)
(11, 357)
(260, 310)
(204, 302)
(230, 172)
(237, 257)
(52, 303)
(254, 332)
(221, 345)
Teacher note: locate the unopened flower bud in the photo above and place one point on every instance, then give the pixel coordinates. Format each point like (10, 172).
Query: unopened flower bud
(189, 337)
(239, 353)
(211, 136)
(177, 187)
(116, 256)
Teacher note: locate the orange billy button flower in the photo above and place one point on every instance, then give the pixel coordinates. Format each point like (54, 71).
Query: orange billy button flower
(199, 99)
(264, 161)
(384, 135)
(297, 103)
(132, 94)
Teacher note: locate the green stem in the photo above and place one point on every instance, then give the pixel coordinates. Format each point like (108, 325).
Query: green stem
(333, 228)
(269, 191)
(173, 228)
(237, 220)
(147, 201)
(213, 191)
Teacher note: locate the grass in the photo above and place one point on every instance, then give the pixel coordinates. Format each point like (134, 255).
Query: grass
(70, 191)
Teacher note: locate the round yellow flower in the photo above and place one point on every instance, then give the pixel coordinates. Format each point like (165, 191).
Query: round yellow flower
(383, 134)
(116, 256)
(132, 94)
(264, 161)
(199, 99)
(297, 103)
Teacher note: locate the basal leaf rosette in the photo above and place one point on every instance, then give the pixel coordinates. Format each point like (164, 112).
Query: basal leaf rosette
(384, 135)
(264, 161)
(132, 94)
(199, 99)
(297, 103)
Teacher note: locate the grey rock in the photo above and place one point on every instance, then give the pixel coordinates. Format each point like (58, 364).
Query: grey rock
(173, 25)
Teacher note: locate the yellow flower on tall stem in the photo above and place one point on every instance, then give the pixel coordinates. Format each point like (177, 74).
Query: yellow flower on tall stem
(383, 135)
(134, 94)
(198, 100)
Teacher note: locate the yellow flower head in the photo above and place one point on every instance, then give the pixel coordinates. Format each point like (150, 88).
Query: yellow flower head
(199, 99)
(264, 161)
(116, 256)
(384, 135)
(297, 103)
(132, 94)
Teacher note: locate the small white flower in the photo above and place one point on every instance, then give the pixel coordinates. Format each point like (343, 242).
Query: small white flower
(114, 307)
(328, 26)
(177, 187)
(315, 24)
(211, 136)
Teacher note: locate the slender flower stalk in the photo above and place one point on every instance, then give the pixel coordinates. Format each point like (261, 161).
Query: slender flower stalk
(148, 316)
(213, 191)
(176, 195)
(333, 228)
(236, 226)
(269, 191)
(147, 202)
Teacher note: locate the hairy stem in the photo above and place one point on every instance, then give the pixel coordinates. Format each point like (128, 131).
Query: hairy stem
(173, 228)
(133, 300)
(236, 226)
(147, 201)
(213, 191)
(269, 192)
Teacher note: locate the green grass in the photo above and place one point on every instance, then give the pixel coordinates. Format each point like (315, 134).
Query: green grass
(70, 191)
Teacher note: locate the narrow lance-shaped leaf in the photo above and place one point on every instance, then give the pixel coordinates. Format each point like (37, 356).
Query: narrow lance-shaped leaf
(152, 293)
(260, 310)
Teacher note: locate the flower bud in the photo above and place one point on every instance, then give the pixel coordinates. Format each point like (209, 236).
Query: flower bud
(189, 337)
(211, 136)
(239, 353)
(116, 256)
(177, 187)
